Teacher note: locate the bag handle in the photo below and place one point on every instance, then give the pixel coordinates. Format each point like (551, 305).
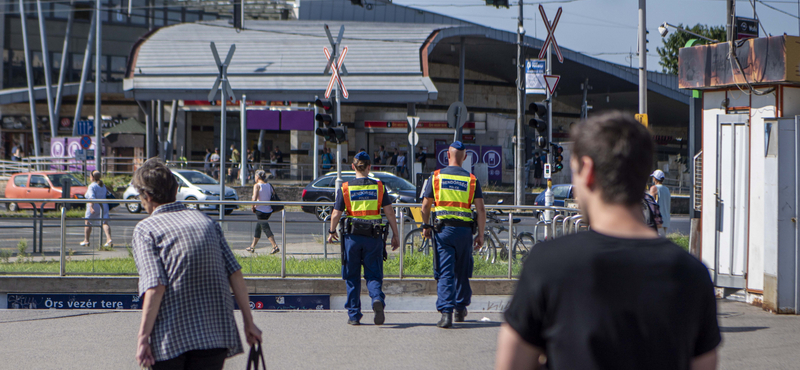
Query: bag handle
(256, 353)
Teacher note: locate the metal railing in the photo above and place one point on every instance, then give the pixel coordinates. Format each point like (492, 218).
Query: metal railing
(571, 223)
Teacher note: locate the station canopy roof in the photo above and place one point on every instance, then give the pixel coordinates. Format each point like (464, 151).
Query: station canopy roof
(280, 61)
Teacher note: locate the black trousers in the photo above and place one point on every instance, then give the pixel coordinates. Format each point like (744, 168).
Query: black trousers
(202, 359)
(262, 225)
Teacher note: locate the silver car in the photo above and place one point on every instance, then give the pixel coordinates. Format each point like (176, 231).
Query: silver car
(192, 185)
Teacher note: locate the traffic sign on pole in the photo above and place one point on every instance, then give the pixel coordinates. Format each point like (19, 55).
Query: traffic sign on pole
(413, 121)
(551, 34)
(86, 141)
(457, 115)
(551, 81)
(413, 138)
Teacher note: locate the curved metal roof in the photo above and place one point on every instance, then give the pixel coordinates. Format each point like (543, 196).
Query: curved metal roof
(282, 60)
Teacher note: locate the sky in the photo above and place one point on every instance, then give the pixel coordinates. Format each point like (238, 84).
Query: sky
(607, 29)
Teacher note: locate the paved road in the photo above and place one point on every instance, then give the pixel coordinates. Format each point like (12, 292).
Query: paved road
(41, 339)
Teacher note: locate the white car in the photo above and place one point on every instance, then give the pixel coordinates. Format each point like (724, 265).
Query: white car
(192, 185)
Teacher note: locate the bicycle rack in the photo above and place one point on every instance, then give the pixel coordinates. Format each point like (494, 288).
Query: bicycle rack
(554, 223)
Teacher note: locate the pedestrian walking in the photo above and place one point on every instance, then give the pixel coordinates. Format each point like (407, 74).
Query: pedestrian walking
(664, 199)
(233, 171)
(363, 237)
(617, 296)
(215, 163)
(186, 274)
(207, 162)
(384, 156)
(327, 158)
(452, 191)
(262, 192)
(401, 165)
(96, 211)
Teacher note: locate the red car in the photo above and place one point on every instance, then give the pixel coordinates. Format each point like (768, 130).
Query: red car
(40, 185)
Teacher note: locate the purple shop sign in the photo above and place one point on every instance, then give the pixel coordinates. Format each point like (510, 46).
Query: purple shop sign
(297, 120)
(489, 154)
(263, 120)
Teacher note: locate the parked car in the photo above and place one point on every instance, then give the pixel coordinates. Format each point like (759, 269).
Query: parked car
(192, 185)
(41, 185)
(560, 192)
(323, 189)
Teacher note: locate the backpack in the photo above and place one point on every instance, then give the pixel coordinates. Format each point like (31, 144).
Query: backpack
(651, 212)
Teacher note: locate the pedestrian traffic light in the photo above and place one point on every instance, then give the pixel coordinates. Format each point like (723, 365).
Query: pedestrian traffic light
(540, 122)
(557, 158)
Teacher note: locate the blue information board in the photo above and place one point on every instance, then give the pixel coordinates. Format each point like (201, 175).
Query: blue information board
(85, 127)
(132, 302)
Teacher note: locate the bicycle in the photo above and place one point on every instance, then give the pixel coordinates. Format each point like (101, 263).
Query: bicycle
(414, 241)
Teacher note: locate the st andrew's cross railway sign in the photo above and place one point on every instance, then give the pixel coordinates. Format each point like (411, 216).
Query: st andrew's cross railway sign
(551, 34)
(335, 62)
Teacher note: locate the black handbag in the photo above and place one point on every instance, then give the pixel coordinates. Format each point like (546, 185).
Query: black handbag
(256, 353)
(274, 198)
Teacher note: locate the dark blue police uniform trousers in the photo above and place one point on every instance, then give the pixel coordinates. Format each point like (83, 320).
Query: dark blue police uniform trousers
(366, 251)
(453, 268)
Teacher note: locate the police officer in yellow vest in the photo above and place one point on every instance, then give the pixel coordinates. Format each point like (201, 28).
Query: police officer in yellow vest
(363, 237)
(452, 191)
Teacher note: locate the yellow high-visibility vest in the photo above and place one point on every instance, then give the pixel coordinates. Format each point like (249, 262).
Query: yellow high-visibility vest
(363, 201)
(453, 195)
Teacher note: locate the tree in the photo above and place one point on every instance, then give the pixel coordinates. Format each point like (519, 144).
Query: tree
(677, 40)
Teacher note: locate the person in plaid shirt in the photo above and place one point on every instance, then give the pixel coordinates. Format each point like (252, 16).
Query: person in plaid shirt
(186, 274)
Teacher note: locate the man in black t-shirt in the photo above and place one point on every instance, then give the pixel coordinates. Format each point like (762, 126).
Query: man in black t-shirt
(618, 296)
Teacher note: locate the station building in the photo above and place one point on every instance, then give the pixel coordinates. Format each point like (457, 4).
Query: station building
(400, 60)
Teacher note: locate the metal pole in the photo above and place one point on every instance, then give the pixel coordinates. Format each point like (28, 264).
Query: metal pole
(548, 194)
(48, 69)
(173, 114)
(63, 65)
(315, 148)
(98, 73)
(160, 128)
(399, 215)
(324, 238)
(729, 4)
(283, 242)
(412, 111)
(461, 66)
(31, 100)
(87, 54)
(243, 150)
(642, 58)
(519, 187)
(222, 150)
(338, 146)
(61, 267)
(510, 241)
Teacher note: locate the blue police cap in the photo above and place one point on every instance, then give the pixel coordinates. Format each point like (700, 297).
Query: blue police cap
(458, 145)
(362, 156)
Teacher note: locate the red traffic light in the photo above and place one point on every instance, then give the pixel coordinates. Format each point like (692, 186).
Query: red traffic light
(324, 104)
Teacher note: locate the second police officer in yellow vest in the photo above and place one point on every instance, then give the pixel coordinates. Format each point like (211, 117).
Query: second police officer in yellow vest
(363, 237)
(452, 191)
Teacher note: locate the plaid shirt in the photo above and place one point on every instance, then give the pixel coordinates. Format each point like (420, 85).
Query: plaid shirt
(185, 251)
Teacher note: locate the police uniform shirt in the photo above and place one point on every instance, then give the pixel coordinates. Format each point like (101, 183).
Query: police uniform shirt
(451, 170)
(339, 204)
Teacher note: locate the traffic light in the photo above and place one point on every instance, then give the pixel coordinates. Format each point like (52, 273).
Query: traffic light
(327, 127)
(557, 158)
(540, 122)
(338, 134)
(497, 3)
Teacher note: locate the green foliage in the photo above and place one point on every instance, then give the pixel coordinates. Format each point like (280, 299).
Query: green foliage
(111, 182)
(678, 39)
(5, 255)
(22, 245)
(72, 213)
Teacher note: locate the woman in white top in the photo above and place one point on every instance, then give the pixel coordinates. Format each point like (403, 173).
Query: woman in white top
(262, 191)
(96, 190)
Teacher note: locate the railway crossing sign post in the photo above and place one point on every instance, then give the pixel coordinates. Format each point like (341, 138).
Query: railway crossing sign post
(550, 43)
(222, 83)
(337, 69)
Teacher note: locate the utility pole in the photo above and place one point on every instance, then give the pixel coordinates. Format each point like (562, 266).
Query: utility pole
(519, 188)
(315, 145)
(98, 67)
(729, 11)
(642, 58)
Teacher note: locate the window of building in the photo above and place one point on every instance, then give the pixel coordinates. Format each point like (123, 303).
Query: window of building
(77, 65)
(192, 17)
(174, 17)
(118, 68)
(61, 10)
(139, 12)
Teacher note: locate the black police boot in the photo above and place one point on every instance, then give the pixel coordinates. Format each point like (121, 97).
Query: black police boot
(377, 306)
(353, 322)
(446, 321)
(460, 315)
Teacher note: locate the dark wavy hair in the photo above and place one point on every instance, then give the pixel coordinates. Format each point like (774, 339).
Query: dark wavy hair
(156, 180)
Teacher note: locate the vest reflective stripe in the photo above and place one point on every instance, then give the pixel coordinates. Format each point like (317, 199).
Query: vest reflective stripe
(453, 196)
(363, 201)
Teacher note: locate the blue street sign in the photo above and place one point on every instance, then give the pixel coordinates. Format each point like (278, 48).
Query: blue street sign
(131, 301)
(86, 141)
(85, 127)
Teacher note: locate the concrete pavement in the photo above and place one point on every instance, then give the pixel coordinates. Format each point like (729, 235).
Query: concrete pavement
(81, 339)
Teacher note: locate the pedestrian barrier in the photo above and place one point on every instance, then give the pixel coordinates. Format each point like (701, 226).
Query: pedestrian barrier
(524, 230)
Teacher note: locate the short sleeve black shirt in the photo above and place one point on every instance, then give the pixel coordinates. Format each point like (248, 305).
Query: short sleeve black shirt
(339, 204)
(592, 301)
